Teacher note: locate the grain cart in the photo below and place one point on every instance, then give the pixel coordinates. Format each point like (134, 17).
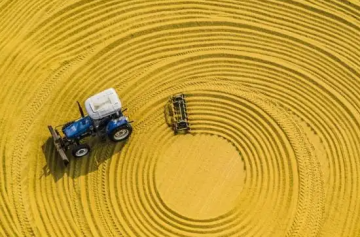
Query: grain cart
(105, 119)
(176, 113)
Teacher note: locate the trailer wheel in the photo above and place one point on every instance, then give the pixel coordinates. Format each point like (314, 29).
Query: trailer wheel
(121, 133)
(81, 150)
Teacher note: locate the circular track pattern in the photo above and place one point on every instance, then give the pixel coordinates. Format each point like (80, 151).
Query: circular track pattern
(272, 90)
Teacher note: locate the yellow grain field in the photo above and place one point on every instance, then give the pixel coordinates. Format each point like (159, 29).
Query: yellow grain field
(272, 88)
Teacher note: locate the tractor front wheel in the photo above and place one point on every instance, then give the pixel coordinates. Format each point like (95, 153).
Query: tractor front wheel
(81, 150)
(121, 133)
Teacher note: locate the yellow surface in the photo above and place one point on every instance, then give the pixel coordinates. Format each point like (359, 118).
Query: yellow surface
(200, 176)
(273, 101)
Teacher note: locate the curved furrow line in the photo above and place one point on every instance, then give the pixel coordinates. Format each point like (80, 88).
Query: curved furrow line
(299, 11)
(291, 28)
(272, 96)
(319, 11)
(114, 230)
(4, 6)
(328, 32)
(74, 9)
(16, 90)
(159, 225)
(75, 171)
(5, 224)
(88, 12)
(88, 200)
(98, 42)
(31, 15)
(26, 12)
(59, 200)
(313, 217)
(194, 125)
(240, 218)
(340, 9)
(65, 192)
(16, 158)
(145, 100)
(106, 217)
(40, 191)
(109, 193)
(326, 140)
(116, 212)
(8, 223)
(50, 211)
(95, 183)
(218, 225)
(123, 14)
(141, 203)
(85, 210)
(149, 19)
(127, 185)
(104, 206)
(21, 70)
(307, 112)
(298, 8)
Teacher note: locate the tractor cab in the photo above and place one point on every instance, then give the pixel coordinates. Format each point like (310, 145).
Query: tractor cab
(103, 104)
(104, 108)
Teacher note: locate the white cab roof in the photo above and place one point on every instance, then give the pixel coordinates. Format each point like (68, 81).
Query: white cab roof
(103, 104)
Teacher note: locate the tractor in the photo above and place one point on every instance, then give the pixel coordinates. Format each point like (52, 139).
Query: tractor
(105, 119)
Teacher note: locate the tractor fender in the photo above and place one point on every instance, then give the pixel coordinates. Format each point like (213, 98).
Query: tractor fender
(115, 123)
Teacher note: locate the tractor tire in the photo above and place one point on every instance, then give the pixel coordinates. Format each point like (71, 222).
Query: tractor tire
(80, 150)
(121, 133)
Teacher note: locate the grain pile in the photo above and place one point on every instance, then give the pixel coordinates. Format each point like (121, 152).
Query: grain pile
(273, 91)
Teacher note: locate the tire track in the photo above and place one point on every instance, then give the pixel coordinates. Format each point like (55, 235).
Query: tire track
(274, 80)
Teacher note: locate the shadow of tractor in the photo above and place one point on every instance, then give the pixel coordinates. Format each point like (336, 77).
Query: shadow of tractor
(100, 152)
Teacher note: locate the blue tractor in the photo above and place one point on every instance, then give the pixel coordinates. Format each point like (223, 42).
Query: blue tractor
(105, 119)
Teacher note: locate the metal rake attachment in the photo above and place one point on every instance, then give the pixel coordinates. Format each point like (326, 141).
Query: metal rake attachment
(176, 113)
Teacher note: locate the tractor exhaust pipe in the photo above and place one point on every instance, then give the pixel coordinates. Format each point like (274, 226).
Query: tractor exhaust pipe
(80, 109)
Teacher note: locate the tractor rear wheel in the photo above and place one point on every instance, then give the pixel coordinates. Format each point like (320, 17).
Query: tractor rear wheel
(81, 150)
(121, 133)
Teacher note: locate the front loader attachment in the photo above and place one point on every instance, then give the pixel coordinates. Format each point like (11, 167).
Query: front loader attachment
(59, 145)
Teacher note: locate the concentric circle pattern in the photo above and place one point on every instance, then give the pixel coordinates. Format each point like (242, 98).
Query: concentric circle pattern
(273, 99)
